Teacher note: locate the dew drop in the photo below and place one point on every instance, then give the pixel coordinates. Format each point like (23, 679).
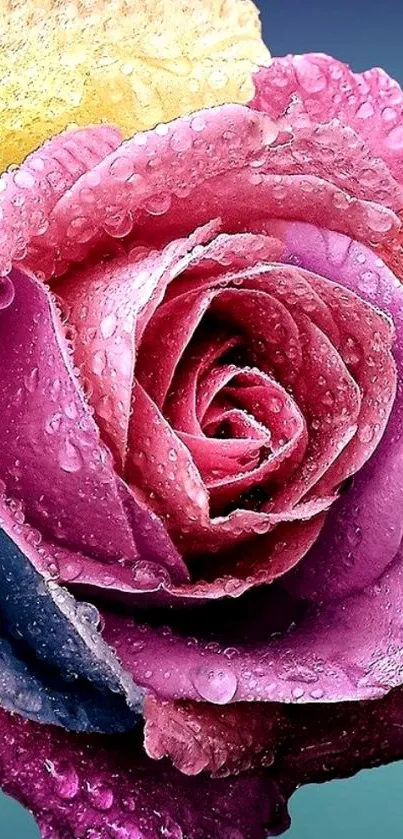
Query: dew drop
(366, 433)
(181, 140)
(108, 325)
(31, 380)
(275, 404)
(100, 795)
(7, 292)
(395, 138)
(122, 168)
(24, 179)
(72, 570)
(157, 205)
(70, 410)
(89, 613)
(369, 282)
(215, 684)
(197, 124)
(65, 779)
(298, 693)
(70, 459)
(53, 423)
(148, 574)
(317, 693)
(365, 111)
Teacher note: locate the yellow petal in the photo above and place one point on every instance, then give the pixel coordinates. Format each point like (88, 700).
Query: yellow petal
(136, 63)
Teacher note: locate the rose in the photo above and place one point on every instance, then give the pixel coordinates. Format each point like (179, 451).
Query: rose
(279, 217)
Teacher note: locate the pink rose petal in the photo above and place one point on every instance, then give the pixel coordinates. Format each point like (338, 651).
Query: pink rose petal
(370, 102)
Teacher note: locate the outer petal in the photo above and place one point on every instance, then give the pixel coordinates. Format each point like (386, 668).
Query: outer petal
(335, 652)
(104, 788)
(136, 64)
(370, 102)
(229, 162)
(29, 688)
(77, 778)
(364, 530)
(55, 666)
(51, 456)
(223, 741)
(29, 194)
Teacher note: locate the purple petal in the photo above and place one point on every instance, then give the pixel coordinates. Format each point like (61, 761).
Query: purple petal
(51, 455)
(104, 788)
(335, 652)
(363, 532)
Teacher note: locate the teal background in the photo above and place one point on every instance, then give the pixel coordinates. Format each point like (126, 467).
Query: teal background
(364, 34)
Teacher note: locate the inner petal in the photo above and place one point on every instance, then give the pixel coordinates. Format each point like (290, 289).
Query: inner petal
(263, 399)
(107, 305)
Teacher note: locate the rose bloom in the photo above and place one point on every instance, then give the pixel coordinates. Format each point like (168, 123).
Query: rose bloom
(201, 453)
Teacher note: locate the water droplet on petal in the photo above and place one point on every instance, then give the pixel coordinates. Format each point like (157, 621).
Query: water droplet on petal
(100, 795)
(395, 138)
(89, 613)
(65, 778)
(72, 570)
(70, 410)
(53, 423)
(7, 292)
(366, 433)
(31, 380)
(215, 684)
(369, 282)
(24, 179)
(317, 693)
(70, 459)
(108, 325)
(148, 574)
(99, 362)
(298, 693)
(157, 205)
(121, 168)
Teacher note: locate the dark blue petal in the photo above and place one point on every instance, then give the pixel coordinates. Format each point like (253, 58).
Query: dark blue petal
(70, 675)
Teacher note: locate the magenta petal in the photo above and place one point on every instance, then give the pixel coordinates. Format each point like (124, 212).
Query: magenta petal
(365, 526)
(51, 456)
(104, 788)
(347, 650)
